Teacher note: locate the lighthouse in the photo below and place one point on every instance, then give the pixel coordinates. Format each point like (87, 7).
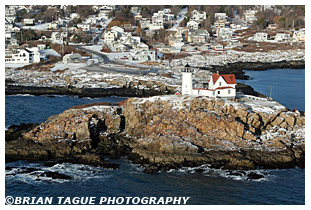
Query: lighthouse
(187, 81)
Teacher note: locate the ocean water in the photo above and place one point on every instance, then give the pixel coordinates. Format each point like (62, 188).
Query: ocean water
(288, 85)
(36, 109)
(210, 186)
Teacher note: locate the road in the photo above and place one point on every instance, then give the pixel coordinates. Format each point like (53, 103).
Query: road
(142, 70)
(182, 14)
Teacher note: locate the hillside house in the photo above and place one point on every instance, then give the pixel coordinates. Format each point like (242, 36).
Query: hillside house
(281, 37)
(23, 56)
(143, 56)
(156, 24)
(193, 25)
(59, 37)
(135, 10)
(71, 58)
(197, 16)
(119, 47)
(84, 26)
(53, 26)
(261, 37)
(118, 31)
(29, 21)
(109, 37)
(273, 26)
(219, 24)
(232, 43)
(249, 16)
(217, 46)
(220, 16)
(197, 36)
(299, 35)
(142, 46)
(144, 23)
(137, 17)
(224, 33)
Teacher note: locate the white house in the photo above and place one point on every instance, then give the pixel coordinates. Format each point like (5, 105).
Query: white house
(29, 21)
(84, 26)
(143, 56)
(23, 56)
(260, 37)
(53, 26)
(250, 16)
(142, 46)
(193, 25)
(74, 15)
(156, 24)
(281, 37)
(144, 23)
(71, 58)
(118, 31)
(197, 16)
(220, 16)
(135, 10)
(223, 86)
(224, 33)
(58, 37)
(217, 46)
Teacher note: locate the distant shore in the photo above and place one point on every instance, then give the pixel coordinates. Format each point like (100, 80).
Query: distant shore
(238, 67)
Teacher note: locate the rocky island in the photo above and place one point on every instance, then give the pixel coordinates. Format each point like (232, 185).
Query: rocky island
(167, 132)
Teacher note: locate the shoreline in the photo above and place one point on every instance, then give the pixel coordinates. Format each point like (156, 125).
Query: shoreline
(233, 68)
(238, 67)
(81, 92)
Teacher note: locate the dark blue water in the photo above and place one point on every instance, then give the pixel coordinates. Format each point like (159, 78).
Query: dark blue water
(36, 109)
(288, 85)
(210, 187)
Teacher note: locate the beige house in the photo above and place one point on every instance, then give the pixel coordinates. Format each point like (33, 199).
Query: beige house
(109, 37)
(219, 24)
(299, 35)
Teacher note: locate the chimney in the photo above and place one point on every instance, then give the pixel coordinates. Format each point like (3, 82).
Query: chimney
(217, 73)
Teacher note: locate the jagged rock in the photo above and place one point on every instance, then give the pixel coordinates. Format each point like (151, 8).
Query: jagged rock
(290, 120)
(277, 121)
(253, 175)
(164, 132)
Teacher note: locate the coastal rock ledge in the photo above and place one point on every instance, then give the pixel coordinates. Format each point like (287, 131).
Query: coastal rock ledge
(167, 132)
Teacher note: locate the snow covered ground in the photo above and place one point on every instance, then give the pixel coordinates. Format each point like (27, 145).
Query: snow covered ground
(232, 56)
(46, 52)
(72, 66)
(39, 27)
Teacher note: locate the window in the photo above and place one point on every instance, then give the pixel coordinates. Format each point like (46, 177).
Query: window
(229, 91)
(218, 92)
(219, 83)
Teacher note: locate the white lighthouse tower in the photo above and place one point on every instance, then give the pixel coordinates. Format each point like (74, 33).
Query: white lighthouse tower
(187, 81)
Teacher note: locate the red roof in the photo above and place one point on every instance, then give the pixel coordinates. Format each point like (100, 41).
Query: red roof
(219, 88)
(229, 78)
(223, 88)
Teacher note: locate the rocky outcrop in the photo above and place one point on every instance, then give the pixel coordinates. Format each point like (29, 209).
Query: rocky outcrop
(166, 132)
(238, 67)
(128, 91)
